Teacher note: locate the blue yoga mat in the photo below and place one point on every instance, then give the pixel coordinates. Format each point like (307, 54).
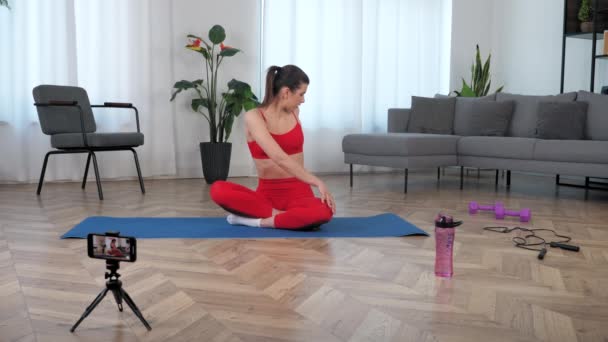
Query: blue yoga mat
(383, 225)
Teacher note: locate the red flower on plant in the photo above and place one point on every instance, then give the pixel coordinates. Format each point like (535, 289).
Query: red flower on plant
(224, 47)
(195, 45)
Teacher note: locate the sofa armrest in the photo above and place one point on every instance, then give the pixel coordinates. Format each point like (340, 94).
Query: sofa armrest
(398, 119)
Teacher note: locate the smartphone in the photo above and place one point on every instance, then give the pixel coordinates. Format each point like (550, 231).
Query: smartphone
(112, 247)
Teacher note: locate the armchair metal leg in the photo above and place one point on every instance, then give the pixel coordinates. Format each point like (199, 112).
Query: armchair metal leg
(86, 171)
(141, 180)
(405, 185)
(46, 160)
(508, 178)
(496, 178)
(351, 175)
(461, 176)
(96, 169)
(438, 173)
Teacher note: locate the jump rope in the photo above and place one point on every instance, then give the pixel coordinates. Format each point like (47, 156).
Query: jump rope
(533, 242)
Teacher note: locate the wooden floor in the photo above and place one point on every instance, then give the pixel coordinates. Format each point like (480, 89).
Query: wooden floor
(310, 289)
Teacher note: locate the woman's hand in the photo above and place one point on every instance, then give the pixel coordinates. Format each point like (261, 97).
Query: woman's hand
(326, 197)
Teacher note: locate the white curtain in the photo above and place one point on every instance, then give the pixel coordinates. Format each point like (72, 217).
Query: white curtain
(117, 50)
(362, 57)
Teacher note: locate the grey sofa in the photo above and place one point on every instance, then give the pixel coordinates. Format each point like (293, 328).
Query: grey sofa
(520, 149)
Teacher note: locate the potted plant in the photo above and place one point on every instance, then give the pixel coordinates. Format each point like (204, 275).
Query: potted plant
(480, 79)
(219, 108)
(585, 15)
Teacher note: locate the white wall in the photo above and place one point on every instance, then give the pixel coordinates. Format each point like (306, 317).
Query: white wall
(471, 25)
(241, 20)
(525, 38)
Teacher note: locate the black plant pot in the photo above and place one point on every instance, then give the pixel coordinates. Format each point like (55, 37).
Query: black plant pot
(216, 160)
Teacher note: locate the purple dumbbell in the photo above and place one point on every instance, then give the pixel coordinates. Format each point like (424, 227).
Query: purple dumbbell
(474, 207)
(524, 214)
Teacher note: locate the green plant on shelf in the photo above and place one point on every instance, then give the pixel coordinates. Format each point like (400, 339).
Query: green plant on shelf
(585, 12)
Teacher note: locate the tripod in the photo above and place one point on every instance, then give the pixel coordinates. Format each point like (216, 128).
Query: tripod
(114, 285)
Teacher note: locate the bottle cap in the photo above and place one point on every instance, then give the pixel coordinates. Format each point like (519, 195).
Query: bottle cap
(446, 221)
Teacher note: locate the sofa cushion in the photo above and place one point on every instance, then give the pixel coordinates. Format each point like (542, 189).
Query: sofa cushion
(463, 112)
(497, 147)
(573, 151)
(489, 118)
(523, 123)
(398, 119)
(561, 120)
(597, 115)
(400, 144)
(432, 115)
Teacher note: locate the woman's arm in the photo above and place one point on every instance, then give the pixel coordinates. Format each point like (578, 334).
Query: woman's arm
(259, 132)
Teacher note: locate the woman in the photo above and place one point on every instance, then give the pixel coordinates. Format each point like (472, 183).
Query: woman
(284, 198)
(113, 251)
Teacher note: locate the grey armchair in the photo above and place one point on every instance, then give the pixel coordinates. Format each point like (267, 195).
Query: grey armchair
(66, 114)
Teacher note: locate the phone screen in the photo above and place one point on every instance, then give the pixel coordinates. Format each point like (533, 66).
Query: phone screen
(118, 248)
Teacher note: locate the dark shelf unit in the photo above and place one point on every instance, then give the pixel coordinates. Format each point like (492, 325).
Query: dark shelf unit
(571, 30)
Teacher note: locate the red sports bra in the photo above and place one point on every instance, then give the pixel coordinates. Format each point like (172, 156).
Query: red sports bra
(291, 142)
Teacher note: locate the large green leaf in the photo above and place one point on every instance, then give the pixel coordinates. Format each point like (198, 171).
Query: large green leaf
(183, 85)
(234, 108)
(467, 91)
(198, 102)
(229, 52)
(228, 126)
(237, 85)
(217, 34)
(250, 104)
(174, 94)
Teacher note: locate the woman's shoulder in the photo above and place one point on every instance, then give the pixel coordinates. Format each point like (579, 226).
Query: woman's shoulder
(255, 112)
(254, 116)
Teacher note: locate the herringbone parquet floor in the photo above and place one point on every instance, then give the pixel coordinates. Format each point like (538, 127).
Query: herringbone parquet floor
(309, 289)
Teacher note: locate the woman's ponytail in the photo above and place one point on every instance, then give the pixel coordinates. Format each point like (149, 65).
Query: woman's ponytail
(289, 76)
(270, 76)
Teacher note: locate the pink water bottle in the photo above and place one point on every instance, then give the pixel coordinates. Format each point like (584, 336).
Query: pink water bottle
(444, 244)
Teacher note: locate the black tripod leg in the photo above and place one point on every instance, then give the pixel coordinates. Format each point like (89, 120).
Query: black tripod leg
(118, 298)
(135, 309)
(90, 308)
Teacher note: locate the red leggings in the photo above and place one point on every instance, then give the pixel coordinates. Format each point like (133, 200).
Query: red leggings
(302, 210)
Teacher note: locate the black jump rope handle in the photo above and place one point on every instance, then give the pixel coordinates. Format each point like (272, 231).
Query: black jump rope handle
(564, 246)
(542, 253)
